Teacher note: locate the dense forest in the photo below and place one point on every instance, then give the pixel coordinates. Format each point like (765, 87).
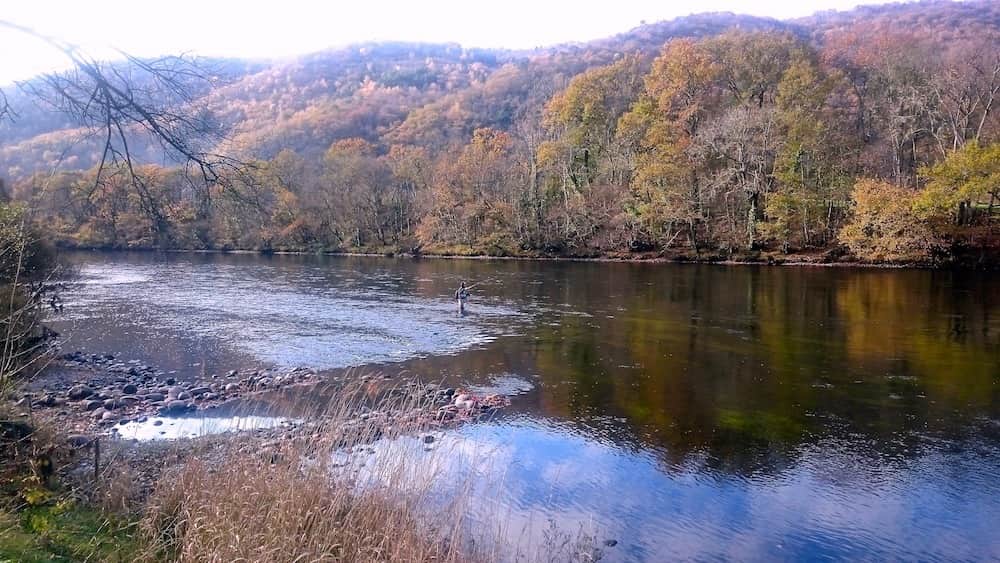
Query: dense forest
(866, 135)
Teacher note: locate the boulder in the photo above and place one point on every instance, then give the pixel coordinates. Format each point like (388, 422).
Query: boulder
(175, 407)
(93, 405)
(200, 390)
(130, 389)
(80, 392)
(155, 397)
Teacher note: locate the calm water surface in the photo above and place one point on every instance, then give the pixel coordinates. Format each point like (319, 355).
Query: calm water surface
(687, 411)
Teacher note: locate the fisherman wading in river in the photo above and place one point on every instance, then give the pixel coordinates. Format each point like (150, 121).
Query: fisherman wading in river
(461, 296)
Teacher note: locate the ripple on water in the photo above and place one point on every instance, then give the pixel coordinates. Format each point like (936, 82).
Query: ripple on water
(283, 324)
(835, 501)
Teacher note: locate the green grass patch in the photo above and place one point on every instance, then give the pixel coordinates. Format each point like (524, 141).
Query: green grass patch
(64, 531)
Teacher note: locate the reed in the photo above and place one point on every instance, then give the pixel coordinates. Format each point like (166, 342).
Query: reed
(303, 497)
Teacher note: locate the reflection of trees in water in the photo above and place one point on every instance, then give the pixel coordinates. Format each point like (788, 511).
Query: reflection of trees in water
(746, 365)
(734, 367)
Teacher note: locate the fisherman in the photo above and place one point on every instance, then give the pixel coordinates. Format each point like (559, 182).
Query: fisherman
(461, 295)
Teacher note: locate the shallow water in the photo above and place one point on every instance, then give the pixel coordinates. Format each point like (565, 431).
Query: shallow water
(194, 426)
(686, 411)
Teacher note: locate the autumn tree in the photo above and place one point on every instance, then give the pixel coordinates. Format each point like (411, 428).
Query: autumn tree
(884, 225)
(470, 204)
(356, 183)
(679, 94)
(968, 179)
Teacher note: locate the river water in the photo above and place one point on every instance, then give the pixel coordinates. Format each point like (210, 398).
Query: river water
(684, 411)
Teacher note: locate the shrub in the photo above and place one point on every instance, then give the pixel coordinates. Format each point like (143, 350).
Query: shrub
(884, 226)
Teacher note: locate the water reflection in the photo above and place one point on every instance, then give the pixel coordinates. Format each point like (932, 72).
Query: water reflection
(838, 502)
(195, 426)
(733, 411)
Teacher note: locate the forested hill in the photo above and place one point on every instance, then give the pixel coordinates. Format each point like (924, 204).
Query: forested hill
(389, 91)
(712, 134)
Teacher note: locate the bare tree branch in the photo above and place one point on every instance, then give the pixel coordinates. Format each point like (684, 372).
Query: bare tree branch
(131, 99)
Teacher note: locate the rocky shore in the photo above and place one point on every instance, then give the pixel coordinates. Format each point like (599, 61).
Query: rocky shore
(88, 398)
(89, 395)
(90, 392)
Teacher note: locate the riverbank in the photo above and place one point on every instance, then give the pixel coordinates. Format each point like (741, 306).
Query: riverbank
(94, 394)
(820, 258)
(144, 488)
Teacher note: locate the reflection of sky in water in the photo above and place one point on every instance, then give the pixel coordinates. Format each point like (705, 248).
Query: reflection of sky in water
(831, 503)
(708, 412)
(172, 428)
(308, 320)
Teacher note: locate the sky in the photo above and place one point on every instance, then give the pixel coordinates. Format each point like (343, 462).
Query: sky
(283, 28)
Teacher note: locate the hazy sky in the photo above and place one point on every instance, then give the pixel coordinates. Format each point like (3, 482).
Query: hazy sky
(278, 28)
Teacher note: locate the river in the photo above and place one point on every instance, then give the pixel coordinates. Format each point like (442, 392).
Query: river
(684, 411)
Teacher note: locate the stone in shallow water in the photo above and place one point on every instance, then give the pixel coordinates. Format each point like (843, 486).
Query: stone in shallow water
(175, 407)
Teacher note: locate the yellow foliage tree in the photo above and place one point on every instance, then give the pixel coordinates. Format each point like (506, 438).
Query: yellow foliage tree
(885, 227)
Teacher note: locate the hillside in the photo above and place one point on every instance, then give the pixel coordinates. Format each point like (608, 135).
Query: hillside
(404, 92)
(716, 133)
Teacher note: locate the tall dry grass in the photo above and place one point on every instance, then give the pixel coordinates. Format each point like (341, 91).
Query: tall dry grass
(304, 500)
